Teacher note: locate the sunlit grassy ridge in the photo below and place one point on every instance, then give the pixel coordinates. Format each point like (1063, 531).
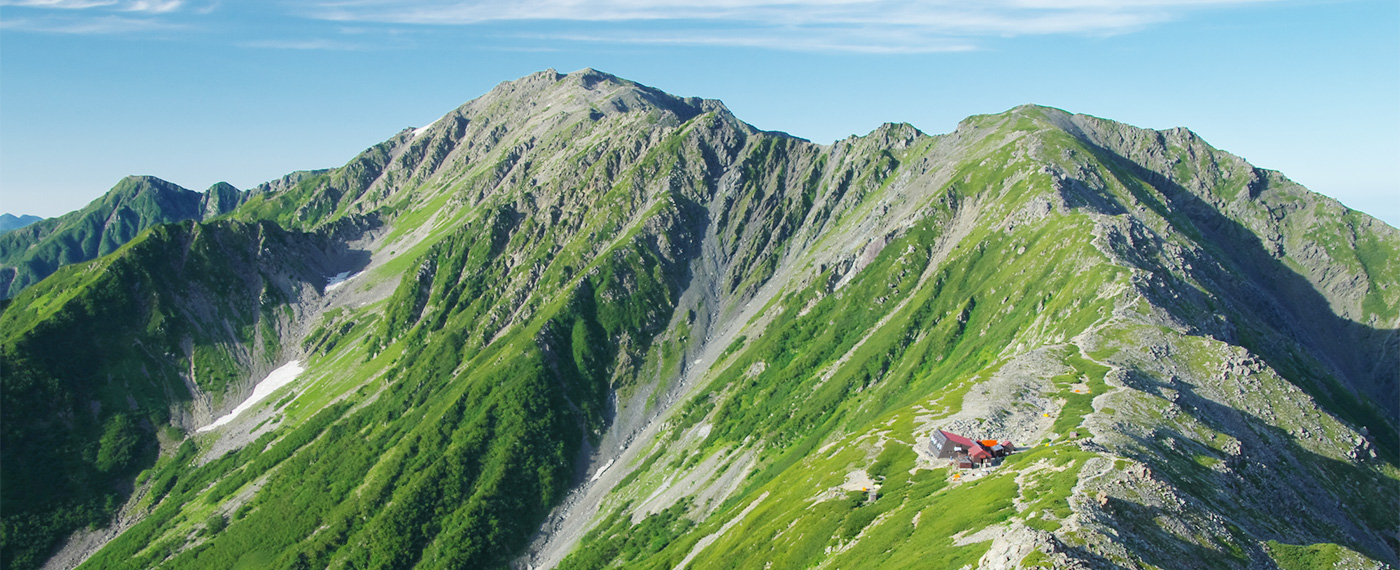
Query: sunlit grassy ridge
(999, 292)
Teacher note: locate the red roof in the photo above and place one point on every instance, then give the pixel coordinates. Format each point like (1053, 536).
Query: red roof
(960, 440)
(974, 449)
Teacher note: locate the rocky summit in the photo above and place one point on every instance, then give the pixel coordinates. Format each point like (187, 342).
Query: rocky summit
(579, 323)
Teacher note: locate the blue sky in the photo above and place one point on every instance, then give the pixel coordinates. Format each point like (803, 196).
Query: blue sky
(199, 91)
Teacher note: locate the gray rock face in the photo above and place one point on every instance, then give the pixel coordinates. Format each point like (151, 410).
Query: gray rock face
(220, 199)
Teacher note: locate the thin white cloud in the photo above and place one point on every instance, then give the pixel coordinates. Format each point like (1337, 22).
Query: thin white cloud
(58, 4)
(878, 26)
(1009, 13)
(154, 6)
(1125, 4)
(100, 17)
(813, 42)
(145, 6)
(102, 25)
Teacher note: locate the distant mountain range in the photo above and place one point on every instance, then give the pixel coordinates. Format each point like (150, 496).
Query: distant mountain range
(581, 323)
(11, 222)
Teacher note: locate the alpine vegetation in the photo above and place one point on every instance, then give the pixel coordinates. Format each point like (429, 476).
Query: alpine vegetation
(580, 323)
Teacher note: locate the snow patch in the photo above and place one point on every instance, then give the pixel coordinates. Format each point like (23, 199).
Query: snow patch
(339, 279)
(275, 379)
(601, 471)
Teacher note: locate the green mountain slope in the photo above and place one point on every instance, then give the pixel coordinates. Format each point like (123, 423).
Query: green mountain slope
(502, 369)
(1155, 362)
(31, 253)
(105, 359)
(581, 323)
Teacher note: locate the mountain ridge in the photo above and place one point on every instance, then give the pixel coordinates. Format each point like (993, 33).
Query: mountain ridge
(608, 312)
(31, 253)
(11, 222)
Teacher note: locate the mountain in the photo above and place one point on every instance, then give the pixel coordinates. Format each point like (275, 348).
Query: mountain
(10, 222)
(104, 362)
(31, 253)
(581, 323)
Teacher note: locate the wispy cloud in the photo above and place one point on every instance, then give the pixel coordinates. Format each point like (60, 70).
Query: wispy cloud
(154, 6)
(58, 4)
(99, 17)
(857, 42)
(877, 26)
(101, 25)
(146, 6)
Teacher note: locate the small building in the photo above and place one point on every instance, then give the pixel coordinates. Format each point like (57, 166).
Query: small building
(1000, 448)
(979, 455)
(940, 446)
(948, 445)
(965, 452)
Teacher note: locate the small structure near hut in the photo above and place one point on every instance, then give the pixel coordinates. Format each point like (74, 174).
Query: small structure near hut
(965, 452)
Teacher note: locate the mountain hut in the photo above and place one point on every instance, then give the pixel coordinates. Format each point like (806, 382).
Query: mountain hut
(948, 445)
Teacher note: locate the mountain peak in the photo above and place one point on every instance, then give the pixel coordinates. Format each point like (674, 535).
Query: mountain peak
(221, 186)
(134, 184)
(586, 76)
(590, 76)
(550, 93)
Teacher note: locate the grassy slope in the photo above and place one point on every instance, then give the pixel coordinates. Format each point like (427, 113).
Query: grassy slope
(953, 328)
(991, 296)
(134, 204)
(92, 359)
(483, 380)
(513, 321)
